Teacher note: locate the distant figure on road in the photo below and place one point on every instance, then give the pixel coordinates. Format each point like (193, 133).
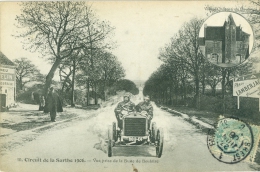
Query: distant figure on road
(126, 105)
(42, 103)
(146, 106)
(53, 104)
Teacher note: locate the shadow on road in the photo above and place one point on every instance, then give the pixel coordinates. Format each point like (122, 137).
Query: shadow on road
(136, 151)
(24, 125)
(127, 151)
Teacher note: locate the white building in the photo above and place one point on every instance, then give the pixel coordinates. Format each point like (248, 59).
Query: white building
(7, 82)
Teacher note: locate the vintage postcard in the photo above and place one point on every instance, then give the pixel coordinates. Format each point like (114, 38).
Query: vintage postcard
(123, 86)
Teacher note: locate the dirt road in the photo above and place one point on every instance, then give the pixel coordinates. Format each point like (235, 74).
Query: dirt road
(79, 145)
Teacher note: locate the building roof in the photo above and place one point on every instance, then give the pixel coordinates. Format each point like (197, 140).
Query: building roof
(214, 33)
(231, 20)
(218, 32)
(5, 61)
(241, 35)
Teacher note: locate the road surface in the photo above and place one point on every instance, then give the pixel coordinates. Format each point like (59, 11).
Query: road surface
(79, 145)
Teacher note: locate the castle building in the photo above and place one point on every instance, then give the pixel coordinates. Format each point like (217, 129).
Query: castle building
(7, 82)
(225, 44)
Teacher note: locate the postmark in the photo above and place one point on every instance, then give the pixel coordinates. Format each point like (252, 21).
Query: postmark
(231, 141)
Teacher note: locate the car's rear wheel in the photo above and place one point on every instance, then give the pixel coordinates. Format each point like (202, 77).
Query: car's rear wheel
(153, 132)
(159, 139)
(114, 134)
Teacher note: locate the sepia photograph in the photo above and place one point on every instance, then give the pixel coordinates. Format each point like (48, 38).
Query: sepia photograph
(135, 86)
(230, 43)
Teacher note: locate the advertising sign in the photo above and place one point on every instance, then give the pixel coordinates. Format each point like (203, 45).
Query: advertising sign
(7, 77)
(247, 86)
(7, 70)
(7, 83)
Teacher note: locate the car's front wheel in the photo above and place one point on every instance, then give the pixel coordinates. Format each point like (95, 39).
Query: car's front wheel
(159, 140)
(110, 141)
(153, 132)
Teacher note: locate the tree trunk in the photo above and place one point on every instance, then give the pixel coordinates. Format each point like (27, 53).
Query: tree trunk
(105, 95)
(203, 85)
(95, 87)
(165, 96)
(50, 76)
(223, 89)
(197, 91)
(213, 89)
(184, 92)
(87, 92)
(176, 92)
(171, 94)
(73, 83)
(21, 84)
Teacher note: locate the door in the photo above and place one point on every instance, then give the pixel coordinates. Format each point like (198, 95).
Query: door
(2, 102)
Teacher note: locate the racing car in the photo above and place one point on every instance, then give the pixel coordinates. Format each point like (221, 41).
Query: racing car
(135, 132)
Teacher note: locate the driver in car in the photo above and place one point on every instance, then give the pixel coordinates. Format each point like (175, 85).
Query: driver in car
(146, 106)
(126, 105)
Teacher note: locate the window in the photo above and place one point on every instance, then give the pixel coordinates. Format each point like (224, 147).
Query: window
(238, 58)
(214, 55)
(239, 45)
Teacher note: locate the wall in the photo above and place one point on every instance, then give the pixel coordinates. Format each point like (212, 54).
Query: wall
(8, 83)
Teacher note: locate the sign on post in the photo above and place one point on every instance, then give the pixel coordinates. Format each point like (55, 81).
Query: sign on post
(247, 86)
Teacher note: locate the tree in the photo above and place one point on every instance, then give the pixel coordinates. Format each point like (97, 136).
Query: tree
(98, 71)
(67, 72)
(168, 84)
(109, 70)
(252, 13)
(212, 76)
(26, 72)
(126, 85)
(184, 50)
(58, 29)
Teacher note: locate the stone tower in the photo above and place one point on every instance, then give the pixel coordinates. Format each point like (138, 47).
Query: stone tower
(230, 40)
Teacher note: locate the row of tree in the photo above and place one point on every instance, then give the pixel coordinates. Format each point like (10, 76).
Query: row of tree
(108, 80)
(185, 74)
(77, 44)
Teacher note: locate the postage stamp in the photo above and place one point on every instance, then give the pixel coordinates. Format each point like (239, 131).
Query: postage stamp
(233, 140)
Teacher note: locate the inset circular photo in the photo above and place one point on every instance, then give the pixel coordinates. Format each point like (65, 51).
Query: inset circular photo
(226, 39)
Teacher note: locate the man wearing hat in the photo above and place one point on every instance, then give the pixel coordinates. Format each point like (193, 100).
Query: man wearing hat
(53, 104)
(126, 105)
(146, 106)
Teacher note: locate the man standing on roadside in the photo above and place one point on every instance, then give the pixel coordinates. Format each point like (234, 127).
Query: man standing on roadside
(53, 104)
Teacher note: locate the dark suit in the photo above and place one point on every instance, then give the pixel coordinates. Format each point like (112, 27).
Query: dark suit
(143, 106)
(128, 106)
(53, 105)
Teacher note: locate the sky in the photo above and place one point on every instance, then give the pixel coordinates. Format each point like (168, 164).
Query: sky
(141, 29)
